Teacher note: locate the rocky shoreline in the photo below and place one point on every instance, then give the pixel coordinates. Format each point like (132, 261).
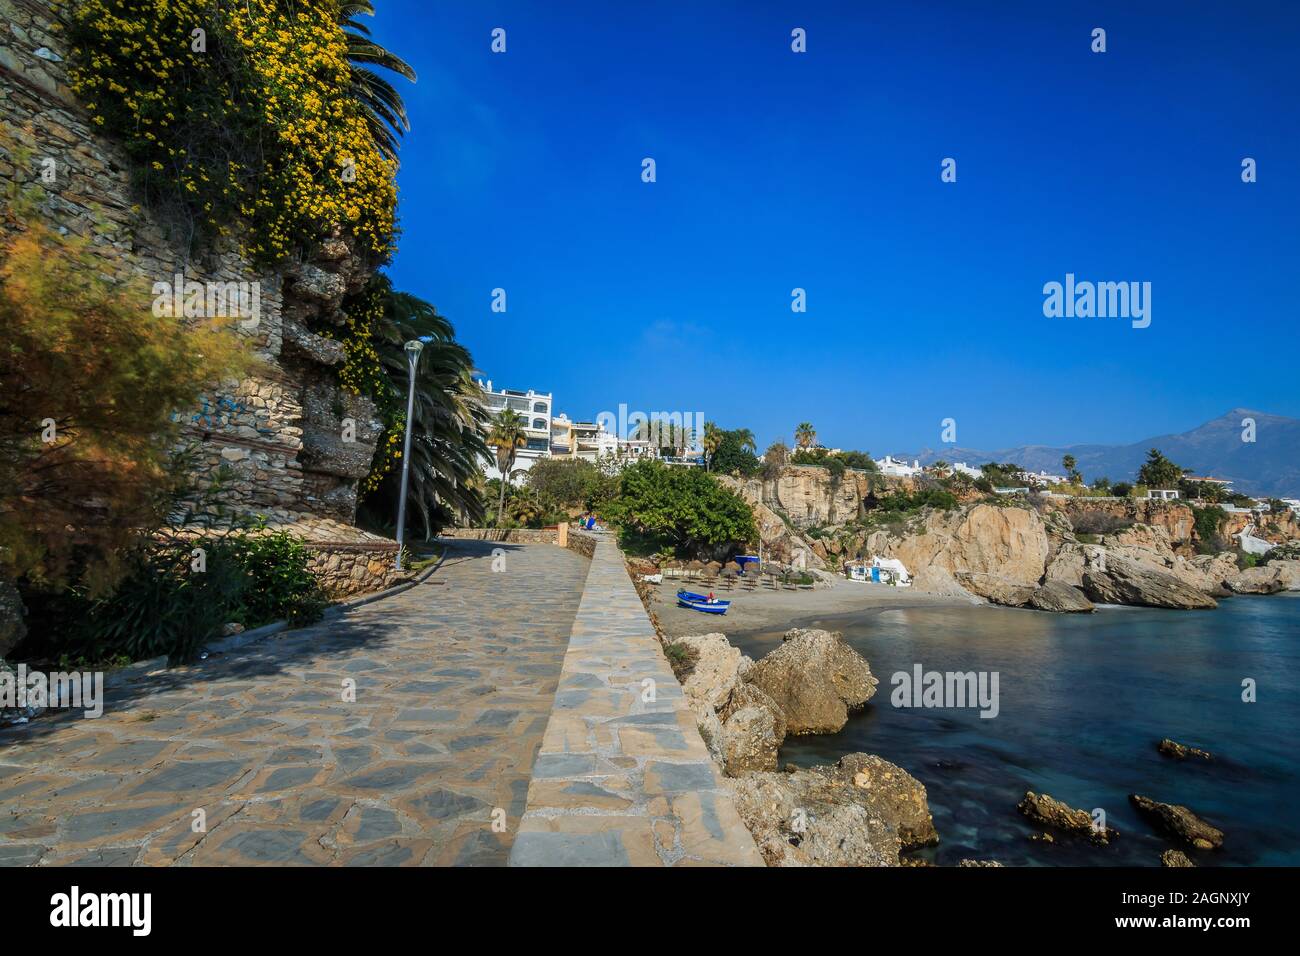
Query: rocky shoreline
(861, 811)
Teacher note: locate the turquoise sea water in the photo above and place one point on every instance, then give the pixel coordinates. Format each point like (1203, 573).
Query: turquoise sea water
(1083, 701)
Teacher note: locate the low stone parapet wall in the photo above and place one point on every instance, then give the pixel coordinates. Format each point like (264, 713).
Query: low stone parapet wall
(623, 777)
(581, 542)
(504, 535)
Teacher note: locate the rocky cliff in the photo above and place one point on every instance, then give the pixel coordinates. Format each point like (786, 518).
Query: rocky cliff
(1057, 554)
(810, 496)
(282, 430)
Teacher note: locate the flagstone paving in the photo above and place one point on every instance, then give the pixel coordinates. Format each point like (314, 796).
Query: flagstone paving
(454, 683)
(623, 777)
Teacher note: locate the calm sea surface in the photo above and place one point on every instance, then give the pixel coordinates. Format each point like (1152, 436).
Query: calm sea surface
(1083, 701)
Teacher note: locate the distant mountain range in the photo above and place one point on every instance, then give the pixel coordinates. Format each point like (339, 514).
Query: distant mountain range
(1270, 465)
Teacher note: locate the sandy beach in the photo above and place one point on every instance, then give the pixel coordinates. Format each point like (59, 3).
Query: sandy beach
(766, 610)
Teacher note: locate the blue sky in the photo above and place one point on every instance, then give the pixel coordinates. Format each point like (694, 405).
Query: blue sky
(821, 170)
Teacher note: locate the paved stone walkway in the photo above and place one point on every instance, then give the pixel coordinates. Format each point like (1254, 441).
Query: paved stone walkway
(454, 684)
(623, 777)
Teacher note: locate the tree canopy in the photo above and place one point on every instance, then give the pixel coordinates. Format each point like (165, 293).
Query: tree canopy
(686, 508)
(1159, 472)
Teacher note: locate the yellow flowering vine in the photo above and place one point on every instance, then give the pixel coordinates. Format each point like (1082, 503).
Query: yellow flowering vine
(238, 112)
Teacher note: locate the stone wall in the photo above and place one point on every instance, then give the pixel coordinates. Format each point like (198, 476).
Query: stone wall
(583, 544)
(348, 570)
(279, 430)
(504, 535)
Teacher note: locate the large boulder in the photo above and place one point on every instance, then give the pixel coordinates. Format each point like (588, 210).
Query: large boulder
(894, 792)
(816, 679)
(859, 812)
(1178, 821)
(1265, 579)
(996, 589)
(1121, 580)
(716, 671)
(749, 740)
(1061, 597)
(939, 581)
(1288, 572)
(1207, 578)
(749, 695)
(1069, 563)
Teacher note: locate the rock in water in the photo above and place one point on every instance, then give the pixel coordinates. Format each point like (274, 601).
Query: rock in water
(860, 812)
(1175, 858)
(1061, 597)
(996, 589)
(1172, 748)
(1042, 809)
(979, 863)
(1178, 821)
(816, 679)
(1125, 581)
(895, 793)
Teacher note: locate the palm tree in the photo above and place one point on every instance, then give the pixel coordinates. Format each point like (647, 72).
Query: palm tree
(382, 105)
(448, 425)
(710, 442)
(805, 436)
(507, 436)
(746, 439)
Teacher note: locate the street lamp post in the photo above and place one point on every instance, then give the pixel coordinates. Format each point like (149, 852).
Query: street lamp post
(413, 348)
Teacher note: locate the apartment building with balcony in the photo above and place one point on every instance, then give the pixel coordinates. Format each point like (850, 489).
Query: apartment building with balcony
(535, 408)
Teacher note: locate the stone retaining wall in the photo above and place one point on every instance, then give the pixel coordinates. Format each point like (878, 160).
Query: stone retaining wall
(623, 777)
(345, 571)
(504, 535)
(279, 430)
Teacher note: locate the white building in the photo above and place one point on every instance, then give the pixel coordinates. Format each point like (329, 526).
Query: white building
(1040, 479)
(535, 409)
(964, 469)
(592, 442)
(1165, 494)
(898, 469)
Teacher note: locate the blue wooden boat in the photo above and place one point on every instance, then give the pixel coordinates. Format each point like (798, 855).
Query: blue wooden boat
(701, 602)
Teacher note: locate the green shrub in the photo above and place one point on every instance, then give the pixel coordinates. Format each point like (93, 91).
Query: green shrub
(172, 601)
(682, 658)
(1208, 520)
(903, 501)
(684, 508)
(276, 581)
